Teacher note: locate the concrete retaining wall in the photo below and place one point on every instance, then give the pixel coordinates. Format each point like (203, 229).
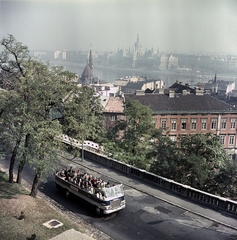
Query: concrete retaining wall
(193, 194)
(93, 152)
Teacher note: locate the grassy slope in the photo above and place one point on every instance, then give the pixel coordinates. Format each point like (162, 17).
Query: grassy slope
(14, 200)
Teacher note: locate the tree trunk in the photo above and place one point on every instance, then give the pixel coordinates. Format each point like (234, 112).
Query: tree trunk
(22, 163)
(12, 162)
(35, 185)
(20, 172)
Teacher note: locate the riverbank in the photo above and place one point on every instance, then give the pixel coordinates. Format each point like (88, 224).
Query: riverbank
(110, 74)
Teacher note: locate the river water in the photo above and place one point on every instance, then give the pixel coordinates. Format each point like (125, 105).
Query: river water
(109, 74)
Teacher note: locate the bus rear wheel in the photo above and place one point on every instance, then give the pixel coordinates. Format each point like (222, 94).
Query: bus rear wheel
(67, 193)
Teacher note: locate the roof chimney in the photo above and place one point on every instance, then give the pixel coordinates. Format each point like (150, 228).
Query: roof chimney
(171, 93)
(185, 91)
(140, 92)
(199, 91)
(161, 90)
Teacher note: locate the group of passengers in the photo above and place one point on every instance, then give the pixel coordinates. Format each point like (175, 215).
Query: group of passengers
(83, 180)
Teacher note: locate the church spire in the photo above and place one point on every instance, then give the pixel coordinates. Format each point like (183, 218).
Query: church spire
(214, 79)
(90, 59)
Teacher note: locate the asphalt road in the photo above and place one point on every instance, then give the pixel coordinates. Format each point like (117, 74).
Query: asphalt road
(144, 217)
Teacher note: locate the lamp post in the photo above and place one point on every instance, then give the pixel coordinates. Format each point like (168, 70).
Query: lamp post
(82, 150)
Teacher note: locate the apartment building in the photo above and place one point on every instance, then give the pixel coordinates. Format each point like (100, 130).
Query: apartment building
(191, 113)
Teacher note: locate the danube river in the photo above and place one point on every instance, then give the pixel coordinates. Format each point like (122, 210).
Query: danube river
(110, 74)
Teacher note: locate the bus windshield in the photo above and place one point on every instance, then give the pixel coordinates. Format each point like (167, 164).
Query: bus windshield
(109, 192)
(113, 192)
(118, 190)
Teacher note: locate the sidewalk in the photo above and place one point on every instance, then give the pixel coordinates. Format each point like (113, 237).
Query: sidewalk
(165, 195)
(72, 235)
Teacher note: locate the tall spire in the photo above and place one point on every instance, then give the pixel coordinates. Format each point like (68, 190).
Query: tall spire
(90, 58)
(214, 79)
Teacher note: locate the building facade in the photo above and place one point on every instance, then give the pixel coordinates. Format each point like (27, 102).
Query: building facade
(185, 113)
(113, 111)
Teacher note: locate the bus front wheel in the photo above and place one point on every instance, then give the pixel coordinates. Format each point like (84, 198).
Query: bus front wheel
(98, 211)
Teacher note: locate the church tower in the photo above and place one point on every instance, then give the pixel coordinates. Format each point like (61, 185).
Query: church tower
(87, 75)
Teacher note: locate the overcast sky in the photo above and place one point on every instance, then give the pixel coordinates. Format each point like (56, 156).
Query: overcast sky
(171, 25)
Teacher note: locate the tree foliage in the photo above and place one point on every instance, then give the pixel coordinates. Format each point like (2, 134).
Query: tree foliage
(137, 130)
(34, 93)
(197, 160)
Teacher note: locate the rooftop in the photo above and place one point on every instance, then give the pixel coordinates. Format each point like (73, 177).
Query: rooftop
(182, 103)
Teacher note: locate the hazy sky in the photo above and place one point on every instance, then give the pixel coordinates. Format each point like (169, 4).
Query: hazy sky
(170, 25)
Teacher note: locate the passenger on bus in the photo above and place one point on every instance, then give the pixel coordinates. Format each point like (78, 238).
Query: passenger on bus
(79, 182)
(91, 189)
(97, 194)
(98, 185)
(103, 183)
(70, 179)
(86, 184)
(71, 173)
(75, 173)
(79, 174)
(94, 181)
(74, 181)
(102, 195)
(62, 173)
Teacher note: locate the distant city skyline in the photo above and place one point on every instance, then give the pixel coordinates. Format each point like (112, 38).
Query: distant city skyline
(174, 26)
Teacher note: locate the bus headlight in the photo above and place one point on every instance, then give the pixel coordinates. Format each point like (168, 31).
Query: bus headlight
(122, 203)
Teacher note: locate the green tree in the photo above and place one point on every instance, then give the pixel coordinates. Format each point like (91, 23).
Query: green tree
(34, 92)
(194, 160)
(133, 145)
(13, 63)
(82, 115)
(226, 180)
(163, 150)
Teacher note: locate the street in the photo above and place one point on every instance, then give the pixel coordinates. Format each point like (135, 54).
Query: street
(144, 217)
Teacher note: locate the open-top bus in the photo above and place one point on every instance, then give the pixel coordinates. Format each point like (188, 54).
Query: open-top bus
(104, 200)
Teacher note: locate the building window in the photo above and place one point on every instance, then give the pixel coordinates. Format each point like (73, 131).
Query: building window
(173, 124)
(154, 121)
(163, 123)
(222, 139)
(194, 124)
(173, 137)
(113, 117)
(223, 123)
(203, 123)
(183, 124)
(213, 123)
(231, 139)
(232, 123)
